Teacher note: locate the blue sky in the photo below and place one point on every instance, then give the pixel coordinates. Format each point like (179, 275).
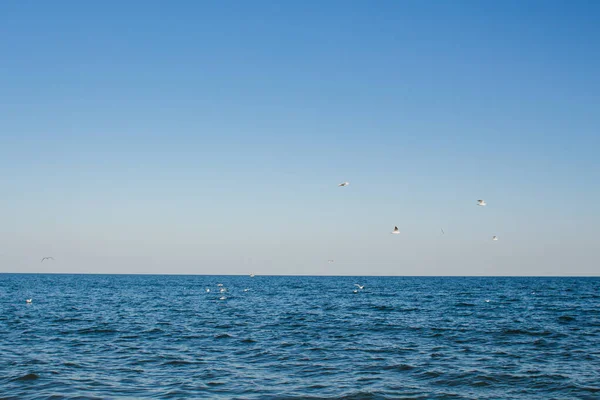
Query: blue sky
(209, 137)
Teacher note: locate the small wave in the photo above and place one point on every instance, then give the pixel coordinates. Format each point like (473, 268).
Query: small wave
(398, 367)
(177, 362)
(464, 304)
(28, 377)
(566, 318)
(87, 331)
(383, 308)
(223, 336)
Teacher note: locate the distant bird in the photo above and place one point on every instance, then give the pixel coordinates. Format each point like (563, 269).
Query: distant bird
(245, 290)
(222, 298)
(360, 287)
(355, 291)
(330, 261)
(47, 258)
(481, 203)
(223, 290)
(219, 284)
(344, 184)
(494, 237)
(251, 275)
(207, 290)
(487, 301)
(396, 231)
(443, 233)
(29, 301)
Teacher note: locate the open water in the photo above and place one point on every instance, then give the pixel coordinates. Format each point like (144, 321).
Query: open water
(127, 336)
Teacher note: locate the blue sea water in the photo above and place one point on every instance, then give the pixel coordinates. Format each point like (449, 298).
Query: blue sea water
(128, 336)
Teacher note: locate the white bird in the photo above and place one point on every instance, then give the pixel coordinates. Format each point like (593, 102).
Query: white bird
(223, 290)
(355, 291)
(245, 290)
(360, 287)
(481, 203)
(494, 237)
(251, 275)
(396, 231)
(344, 184)
(29, 301)
(47, 258)
(487, 301)
(330, 261)
(219, 284)
(222, 298)
(207, 290)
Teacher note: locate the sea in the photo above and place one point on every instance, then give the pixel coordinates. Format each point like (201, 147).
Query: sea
(298, 337)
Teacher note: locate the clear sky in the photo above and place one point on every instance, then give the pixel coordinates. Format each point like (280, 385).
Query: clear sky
(209, 137)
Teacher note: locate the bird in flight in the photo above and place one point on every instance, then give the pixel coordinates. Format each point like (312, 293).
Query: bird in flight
(494, 237)
(396, 231)
(358, 286)
(330, 261)
(47, 258)
(29, 301)
(481, 203)
(443, 233)
(344, 184)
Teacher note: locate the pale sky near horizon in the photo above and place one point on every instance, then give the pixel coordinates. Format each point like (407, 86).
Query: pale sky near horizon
(210, 137)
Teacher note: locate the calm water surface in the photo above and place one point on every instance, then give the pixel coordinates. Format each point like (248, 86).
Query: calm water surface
(109, 336)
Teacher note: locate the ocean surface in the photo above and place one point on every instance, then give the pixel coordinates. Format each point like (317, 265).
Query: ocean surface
(127, 336)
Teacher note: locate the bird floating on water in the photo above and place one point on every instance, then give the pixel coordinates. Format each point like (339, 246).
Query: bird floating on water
(360, 287)
(47, 258)
(494, 237)
(222, 298)
(207, 290)
(219, 284)
(28, 301)
(245, 290)
(251, 275)
(396, 231)
(355, 291)
(344, 184)
(481, 203)
(223, 290)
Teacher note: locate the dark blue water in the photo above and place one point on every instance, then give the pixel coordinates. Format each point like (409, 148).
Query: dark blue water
(108, 336)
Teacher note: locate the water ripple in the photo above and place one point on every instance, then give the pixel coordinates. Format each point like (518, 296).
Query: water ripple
(102, 336)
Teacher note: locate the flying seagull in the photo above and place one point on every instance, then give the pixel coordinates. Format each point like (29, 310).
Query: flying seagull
(28, 301)
(358, 286)
(396, 231)
(443, 233)
(47, 258)
(494, 237)
(344, 184)
(481, 203)
(330, 261)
